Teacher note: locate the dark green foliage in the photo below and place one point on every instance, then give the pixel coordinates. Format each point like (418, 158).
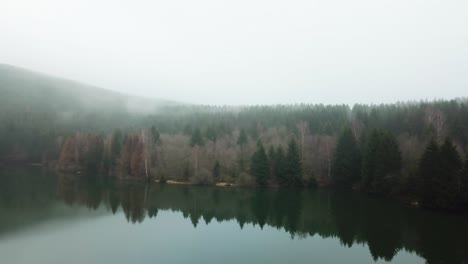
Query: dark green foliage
(293, 168)
(155, 136)
(259, 166)
(428, 169)
(464, 184)
(93, 157)
(381, 162)
(211, 134)
(187, 172)
(448, 182)
(116, 146)
(311, 182)
(242, 140)
(197, 138)
(271, 153)
(279, 166)
(346, 167)
(216, 170)
(441, 171)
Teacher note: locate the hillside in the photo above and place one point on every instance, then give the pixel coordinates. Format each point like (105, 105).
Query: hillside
(37, 110)
(23, 89)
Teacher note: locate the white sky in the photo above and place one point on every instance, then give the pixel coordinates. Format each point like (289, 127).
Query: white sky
(246, 51)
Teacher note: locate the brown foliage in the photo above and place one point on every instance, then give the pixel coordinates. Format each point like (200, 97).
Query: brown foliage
(134, 158)
(77, 149)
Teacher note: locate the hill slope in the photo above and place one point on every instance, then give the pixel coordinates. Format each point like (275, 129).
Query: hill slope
(21, 89)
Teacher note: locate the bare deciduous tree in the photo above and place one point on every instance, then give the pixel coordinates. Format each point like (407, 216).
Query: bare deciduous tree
(436, 119)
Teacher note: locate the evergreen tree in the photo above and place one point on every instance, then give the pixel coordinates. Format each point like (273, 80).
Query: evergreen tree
(346, 166)
(279, 166)
(293, 168)
(271, 153)
(388, 164)
(369, 160)
(428, 170)
(216, 170)
(93, 157)
(116, 146)
(242, 140)
(211, 134)
(155, 136)
(271, 158)
(440, 170)
(259, 166)
(464, 185)
(197, 138)
(381, 162)
(448, 181)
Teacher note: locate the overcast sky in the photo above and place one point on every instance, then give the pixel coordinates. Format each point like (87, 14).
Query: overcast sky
(246, 51)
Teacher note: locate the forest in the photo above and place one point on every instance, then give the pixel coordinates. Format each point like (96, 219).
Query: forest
(415, 151)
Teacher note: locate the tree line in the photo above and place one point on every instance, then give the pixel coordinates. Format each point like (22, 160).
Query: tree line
(380, 149)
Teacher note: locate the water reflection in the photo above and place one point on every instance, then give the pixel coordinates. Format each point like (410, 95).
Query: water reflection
(386, 227)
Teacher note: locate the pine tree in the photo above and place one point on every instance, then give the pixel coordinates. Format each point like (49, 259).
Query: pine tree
(369, 160)
(279, 166)
(464, 185)
(259, 166)
(440, 170)
(448, 180)
(381, 162)
(388, 164)
(155, 136)
(293, 168)
(346, 166)
(428, 170)
(197, 138)
(211, 134)
(216, 170)
(271, 153)
(116, 146)
(242, 140)
(94, 153)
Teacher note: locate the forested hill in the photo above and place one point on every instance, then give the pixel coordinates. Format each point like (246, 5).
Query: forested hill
(37, 110)
(416, 149)
(24, 90)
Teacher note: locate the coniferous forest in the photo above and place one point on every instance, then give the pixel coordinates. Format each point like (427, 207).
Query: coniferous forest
(415, 151)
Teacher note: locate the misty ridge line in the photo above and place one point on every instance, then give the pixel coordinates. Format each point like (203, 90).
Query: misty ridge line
(140, 104)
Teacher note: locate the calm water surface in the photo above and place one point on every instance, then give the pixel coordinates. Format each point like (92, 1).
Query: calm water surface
(46, 218)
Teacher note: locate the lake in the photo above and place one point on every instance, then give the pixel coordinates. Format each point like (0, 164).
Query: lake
(49, 218)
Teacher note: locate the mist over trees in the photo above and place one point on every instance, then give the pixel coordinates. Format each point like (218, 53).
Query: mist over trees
(415, 150)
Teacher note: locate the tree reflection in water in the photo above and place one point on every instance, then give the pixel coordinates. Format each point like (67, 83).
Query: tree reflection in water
(385, 226)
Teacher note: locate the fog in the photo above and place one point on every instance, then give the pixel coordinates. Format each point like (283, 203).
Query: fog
(246, 52)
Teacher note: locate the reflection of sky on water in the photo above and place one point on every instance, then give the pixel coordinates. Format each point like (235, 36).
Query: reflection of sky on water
(170, 238)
